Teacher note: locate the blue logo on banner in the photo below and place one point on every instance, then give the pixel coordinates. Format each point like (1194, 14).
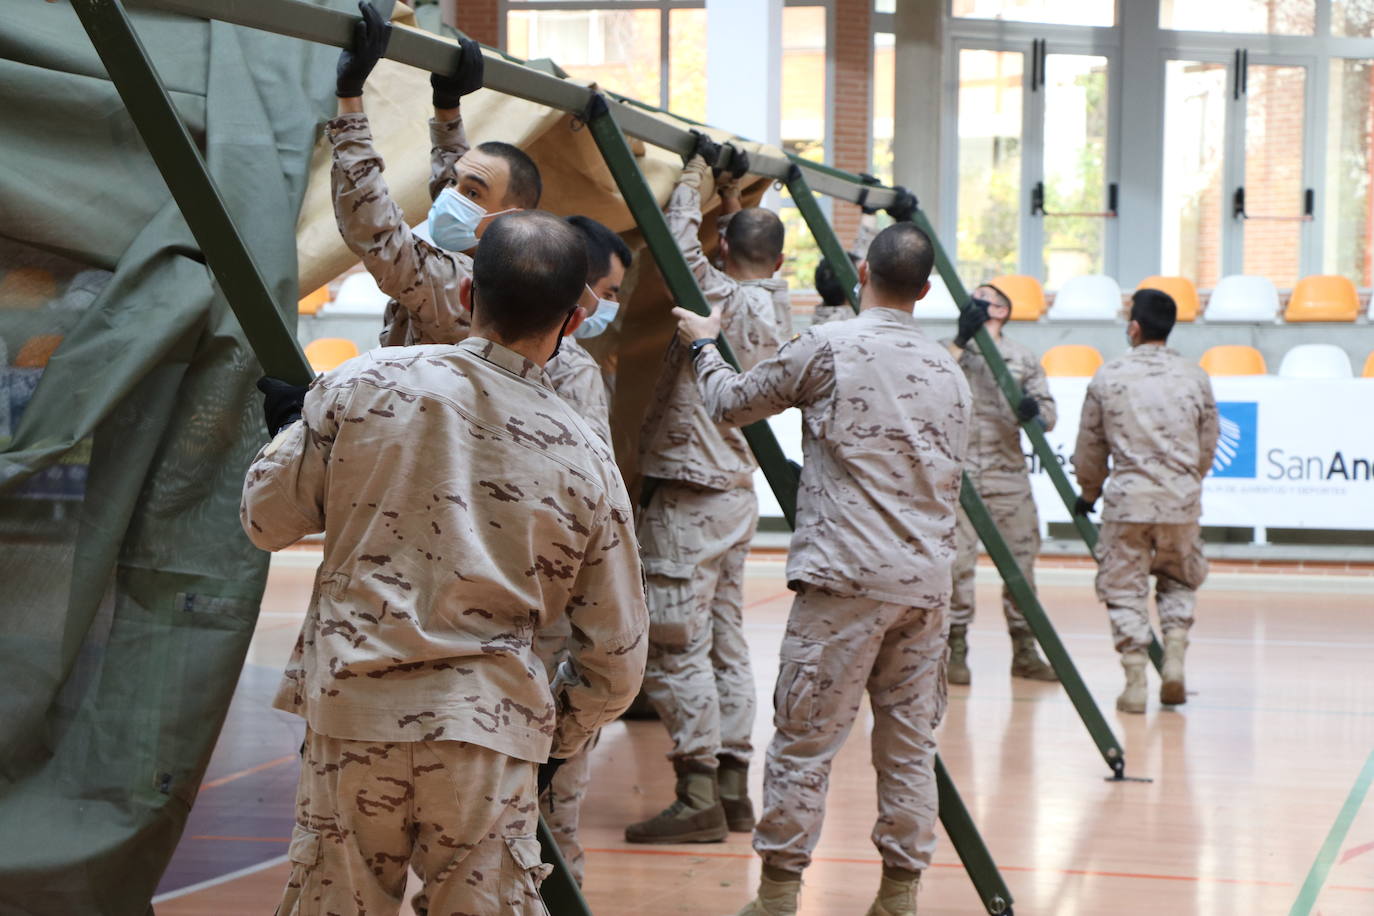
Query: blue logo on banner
(1236, 446)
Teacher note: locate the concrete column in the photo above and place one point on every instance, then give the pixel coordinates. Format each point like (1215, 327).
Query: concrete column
(1142, 144)
(744, 67)
(919, 67)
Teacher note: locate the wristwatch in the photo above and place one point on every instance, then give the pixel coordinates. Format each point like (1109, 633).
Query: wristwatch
(700, 344)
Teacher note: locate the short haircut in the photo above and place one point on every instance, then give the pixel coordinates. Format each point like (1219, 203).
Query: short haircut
(602, 245)
(1006, 300)
(1155, 312)
(528, 274)
(755, 236)
(526, 187)
(828, 284)
(899, 262)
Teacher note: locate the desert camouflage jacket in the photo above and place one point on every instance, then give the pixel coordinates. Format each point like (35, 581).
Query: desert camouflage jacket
(995, 459)
(576, 376)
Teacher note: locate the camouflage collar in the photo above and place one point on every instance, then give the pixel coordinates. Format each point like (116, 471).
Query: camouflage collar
(506, 359)
(773, 284)
(887, 314)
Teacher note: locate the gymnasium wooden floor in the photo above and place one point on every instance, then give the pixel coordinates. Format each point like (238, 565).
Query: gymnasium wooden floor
(1256, 805)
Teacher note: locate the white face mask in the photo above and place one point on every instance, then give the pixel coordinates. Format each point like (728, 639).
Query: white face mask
(453, 220)
(598, 321)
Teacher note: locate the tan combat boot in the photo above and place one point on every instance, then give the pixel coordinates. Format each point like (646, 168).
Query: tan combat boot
(733, 776)
(696, 816)
(778, 890)
(897, 893)
(1026, 661)
(1132, 699)
(1172, 691)
(956, 672)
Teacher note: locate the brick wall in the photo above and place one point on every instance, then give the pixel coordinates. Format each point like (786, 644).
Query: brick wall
(852, 104)
(481, 19)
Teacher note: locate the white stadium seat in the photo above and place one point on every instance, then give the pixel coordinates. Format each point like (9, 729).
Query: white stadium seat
(938, 303)
(1089, 298)
(1316, 361)
(358, 295)
(1243, 298)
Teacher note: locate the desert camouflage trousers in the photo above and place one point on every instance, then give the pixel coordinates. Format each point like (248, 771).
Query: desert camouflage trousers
(1128, 553)
(462, 815)
(834, 649)
(694, 542)
(1014, 514)
(562, 804)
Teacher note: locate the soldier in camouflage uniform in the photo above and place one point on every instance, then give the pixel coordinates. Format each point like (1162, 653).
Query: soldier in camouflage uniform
(577, 379)
(417, 269)
(696, 529)
(997, 468)
(465, 508)
(886, 416)
(1154, 414)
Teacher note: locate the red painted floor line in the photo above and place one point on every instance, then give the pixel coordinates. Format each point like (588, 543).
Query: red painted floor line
(1353, 853)
(223, 780)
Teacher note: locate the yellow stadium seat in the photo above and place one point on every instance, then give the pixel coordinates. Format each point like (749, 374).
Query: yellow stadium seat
(27, 288)
(1323, 297)
(1368, 367)
(1182, 290)
(329, 353)
(1233, 360)
(313, 302)
(1071, 361)
(36, 351)
(1026, 294)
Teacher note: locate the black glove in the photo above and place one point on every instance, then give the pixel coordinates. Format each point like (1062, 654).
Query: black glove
(1028, 408)
(370, 36)
(863, 194)
(739, 162)
(546, 771)
(970, 320)
(449, 88)
(281, 403)
(904, 207)
(707, 149)
(1082, 506)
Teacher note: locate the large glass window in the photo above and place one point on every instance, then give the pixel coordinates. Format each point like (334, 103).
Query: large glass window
(1352, 17)
(804, 109)
(687, 63)
(616, 48)
(1050, 12)
(1195, 100)
(1075, 166)
(1274, 119)
(1349, 210)
(884, 105)
(1264, 17)
(989, 161)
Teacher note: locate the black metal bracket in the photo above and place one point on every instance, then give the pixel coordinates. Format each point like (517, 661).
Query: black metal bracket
(1038, 204)
(1309, 205)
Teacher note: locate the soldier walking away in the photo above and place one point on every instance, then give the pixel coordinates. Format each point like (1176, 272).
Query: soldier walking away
(997, 468)
(1153, 413)
(421, 271)
(696, 529)
(465, 507)
(834, 304)
(885, 419)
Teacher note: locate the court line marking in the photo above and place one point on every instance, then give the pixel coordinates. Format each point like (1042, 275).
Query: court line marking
(1356, 852)
(243, 839)
(222, 879)
(223, 780)
(1321, 867)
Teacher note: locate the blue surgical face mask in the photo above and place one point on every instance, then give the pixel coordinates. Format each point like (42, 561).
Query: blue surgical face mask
(599, 321)
(453, 220)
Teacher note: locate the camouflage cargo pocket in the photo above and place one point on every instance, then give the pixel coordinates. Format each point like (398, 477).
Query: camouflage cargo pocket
(795, 695)
(674, 619)
(521, 874)
(302, 896)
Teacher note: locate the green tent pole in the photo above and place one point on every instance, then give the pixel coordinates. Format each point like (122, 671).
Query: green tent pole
(963, 833)
(978, 514)
(264, 325)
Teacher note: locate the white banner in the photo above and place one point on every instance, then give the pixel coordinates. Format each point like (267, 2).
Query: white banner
(1294, 453)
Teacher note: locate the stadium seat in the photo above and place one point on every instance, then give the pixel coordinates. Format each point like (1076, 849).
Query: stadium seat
(358, 295)
(1243, 298)
(313, 302)
(329, 352)
(1183, 291)
(36, 351)
(1026, 294)
(1323, 297)
(1369, 367)
(1089, 298)
(1322, 361)
(938, 303)
(27, 288)
(1231, 359)
(1071, 361)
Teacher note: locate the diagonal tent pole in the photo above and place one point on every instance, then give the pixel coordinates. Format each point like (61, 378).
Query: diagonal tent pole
(600, 119)
(978, 514)
(264, 326)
